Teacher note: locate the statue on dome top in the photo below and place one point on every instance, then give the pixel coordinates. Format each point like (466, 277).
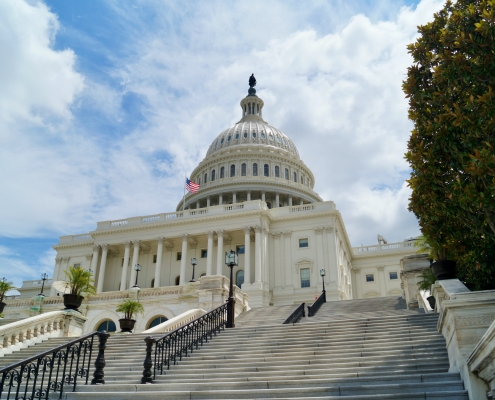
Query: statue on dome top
(252, 81)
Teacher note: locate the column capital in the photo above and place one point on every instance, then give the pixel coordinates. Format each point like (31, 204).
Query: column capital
(287, 234)
(160, 240)
(247, 230)
(257, 229)
(210, 234)
(248, 191)
(328, 229)
(128, 244)
(105, 247)
(66, 259)
(89, 257)
(319, 231)
(96, 248)
(276, 235)
(58, 259)
(185, 237)
(169, 246)
(136, 243)
(220, 233)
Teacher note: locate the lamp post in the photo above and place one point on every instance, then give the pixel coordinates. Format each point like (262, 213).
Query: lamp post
(44, 277)
(231, 259)
(137, 268)
(322, 274)
(194, 262)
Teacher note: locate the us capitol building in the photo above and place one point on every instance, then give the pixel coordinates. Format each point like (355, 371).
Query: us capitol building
(256, 197)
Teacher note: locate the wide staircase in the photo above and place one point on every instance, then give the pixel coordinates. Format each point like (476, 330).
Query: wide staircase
(395, 354)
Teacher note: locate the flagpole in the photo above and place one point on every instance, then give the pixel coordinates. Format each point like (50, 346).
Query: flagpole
(184, 198)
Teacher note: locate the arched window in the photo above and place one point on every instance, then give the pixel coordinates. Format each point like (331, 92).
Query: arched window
(277, 171)
(107, 325)
(243, 169)
(255, 169)
(295, 177)
(239, 278)
(206, 178)
(157, 321)
(222, 172)
(286, 174)
(266, 170)
(232, 170)
(213, 175)
(177, 280)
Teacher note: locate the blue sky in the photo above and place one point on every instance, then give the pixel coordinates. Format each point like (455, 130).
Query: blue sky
(105, 105)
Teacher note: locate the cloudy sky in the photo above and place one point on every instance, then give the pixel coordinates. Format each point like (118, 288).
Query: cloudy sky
(105, 105)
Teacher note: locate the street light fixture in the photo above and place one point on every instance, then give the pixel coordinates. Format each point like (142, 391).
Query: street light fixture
(231, 259)
(194, 262)
(322, 274)
(137, 268)
(44, 277)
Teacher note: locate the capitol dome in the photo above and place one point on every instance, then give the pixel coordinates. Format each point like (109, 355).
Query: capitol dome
(251, 160)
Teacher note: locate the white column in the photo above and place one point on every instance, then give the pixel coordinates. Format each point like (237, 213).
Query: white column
(263, 196)
(302, 202)
(135, 260)
(220, 199)
(197, 204)
(381, 279)
(248, 198)
(220, 255)
(183, 259)
(277, 200)
(288, 259)
(125, 266)
(56, 272)
(209, 253)
(208, 201)
(332, 263)
(319, 252)
(290, 200)
(357, 292)
(159, 256)
(103, 264)
(279, 260)
(94, 261)
(257, 254)
(234, 197)
(247, 254)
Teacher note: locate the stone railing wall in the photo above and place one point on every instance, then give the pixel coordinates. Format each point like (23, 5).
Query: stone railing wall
(481, 362)
(176, 322)
(389, 247)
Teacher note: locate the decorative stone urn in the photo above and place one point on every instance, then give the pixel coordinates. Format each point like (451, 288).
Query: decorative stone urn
(127, 325)
(443, 269)
(72, 301)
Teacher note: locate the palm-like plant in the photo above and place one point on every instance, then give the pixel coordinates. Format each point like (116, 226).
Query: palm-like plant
(427, 278)
(129, 308)
(435, 250)
(79, 281)
(5, 286)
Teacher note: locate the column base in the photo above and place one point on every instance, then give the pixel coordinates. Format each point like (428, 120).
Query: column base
(258, 296)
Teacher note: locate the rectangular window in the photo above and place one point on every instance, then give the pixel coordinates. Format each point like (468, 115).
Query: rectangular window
(303, 243)
(240, 249)
(154, 259)
(305, 277)
(77, 265)
(179, 256)
(393, 275)
(204, 253)
(370, 278)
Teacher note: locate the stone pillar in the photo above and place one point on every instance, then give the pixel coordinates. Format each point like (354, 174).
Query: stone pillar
(248, 198)
(279, 261)
(158, 267)
(319, 255)
(197, 204)
(264, 257)
(302, 202)
(208, 199)
(381, 279)
(94, 260)
(56, 272)
(234, 197)
(357, 277)
(290, 200)
(257, 254)
(125, 266)
(331, 264)
(103, 264)
(209, 253)
(288, 259)
(220, 199)
(263, 196)
(247, 254)
(183, 259)
(220, 254)
(135, 260)
(277, 199)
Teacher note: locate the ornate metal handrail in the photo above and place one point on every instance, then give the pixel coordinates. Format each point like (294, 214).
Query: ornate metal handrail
(171, 347)
(51, 371)
(296, 315)
(313, 308)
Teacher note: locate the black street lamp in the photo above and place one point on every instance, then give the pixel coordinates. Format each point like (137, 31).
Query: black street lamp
(194, 262)
(322, 274)
(44, 277)
(137, 268)
(231, 259)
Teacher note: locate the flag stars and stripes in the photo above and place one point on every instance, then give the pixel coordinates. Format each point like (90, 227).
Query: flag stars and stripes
(191, 186)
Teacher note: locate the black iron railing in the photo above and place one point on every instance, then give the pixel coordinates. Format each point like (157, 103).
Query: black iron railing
(47, 375)
(170, 348)
(296, 315)
(313, 308)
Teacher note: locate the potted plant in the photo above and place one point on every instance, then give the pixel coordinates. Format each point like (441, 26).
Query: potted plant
(129, 308)
(442, 267)
(427, 278)
(79, 282)
(5, 286)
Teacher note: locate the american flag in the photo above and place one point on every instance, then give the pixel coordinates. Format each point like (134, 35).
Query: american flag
(191, 186)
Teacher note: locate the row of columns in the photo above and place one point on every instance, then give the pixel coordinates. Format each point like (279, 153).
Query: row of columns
(248, 198)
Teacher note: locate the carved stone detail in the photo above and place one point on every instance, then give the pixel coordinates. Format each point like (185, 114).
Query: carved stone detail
(89, 257)
(319, 230)
(287, 234)
(475, 320)
(96, 248)
(160, 240)
(210, 234)
(247, 229)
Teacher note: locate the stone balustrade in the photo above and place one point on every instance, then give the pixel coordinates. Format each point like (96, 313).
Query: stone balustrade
(482, 360)
(389, 247)
(28, 331)
(176, 322)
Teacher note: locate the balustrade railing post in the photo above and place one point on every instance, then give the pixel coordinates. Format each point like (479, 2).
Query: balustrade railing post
(147, 378)
(98, 375)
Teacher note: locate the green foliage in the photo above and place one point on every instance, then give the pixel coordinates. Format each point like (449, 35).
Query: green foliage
(436, 251)
(5, 286)
(427, 278)
(129, 308)
(80, 281)
(451, 149)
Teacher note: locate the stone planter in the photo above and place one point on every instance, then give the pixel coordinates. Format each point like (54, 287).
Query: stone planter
(443, 269)
(72, 301)
(2, 306)
(431, 301)
(127, 325)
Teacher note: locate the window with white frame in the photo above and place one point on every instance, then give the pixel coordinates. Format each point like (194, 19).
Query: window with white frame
(303, 242)
(393, 275)
(305, 282)
(370, 278)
